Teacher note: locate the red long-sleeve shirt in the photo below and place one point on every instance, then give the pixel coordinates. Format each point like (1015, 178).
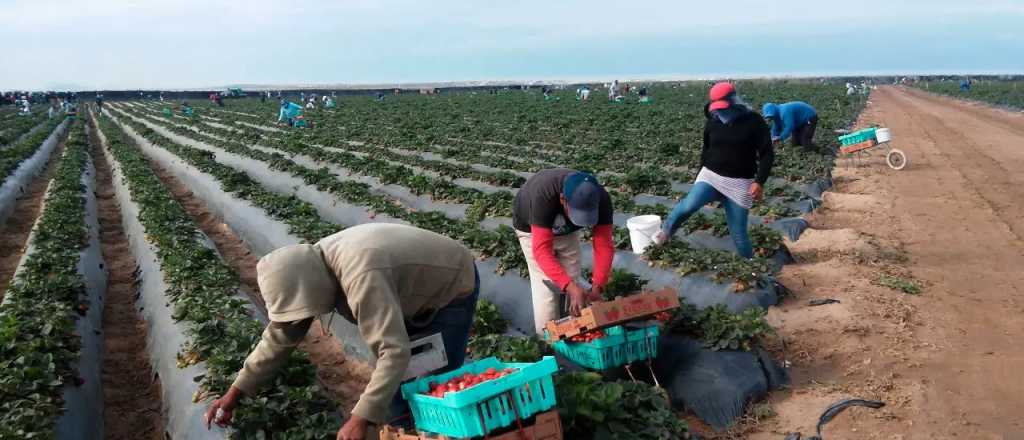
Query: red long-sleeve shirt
(544, 253)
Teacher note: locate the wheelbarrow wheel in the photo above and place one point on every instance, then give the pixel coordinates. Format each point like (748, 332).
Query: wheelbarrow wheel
(896, 159)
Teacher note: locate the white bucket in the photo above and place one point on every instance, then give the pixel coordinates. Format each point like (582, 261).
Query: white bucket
(642, 230)
(883, 135)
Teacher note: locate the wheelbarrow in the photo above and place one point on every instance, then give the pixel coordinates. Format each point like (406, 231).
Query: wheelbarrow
(858, 145)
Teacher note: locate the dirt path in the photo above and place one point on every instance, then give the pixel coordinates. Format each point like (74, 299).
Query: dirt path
(946, 361)
(131, 392)
(343, 380)
(18, 226)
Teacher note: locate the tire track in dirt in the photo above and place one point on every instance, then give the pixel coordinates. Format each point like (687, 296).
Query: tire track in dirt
(1000, 190)
(16, 230)
(344, 380)
(132, 393)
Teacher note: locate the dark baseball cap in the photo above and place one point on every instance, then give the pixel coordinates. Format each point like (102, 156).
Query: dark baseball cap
(583, 195)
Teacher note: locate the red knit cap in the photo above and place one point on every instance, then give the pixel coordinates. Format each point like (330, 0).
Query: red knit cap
(720, 94)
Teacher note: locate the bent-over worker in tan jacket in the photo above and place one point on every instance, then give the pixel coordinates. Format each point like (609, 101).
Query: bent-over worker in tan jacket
(391, 280)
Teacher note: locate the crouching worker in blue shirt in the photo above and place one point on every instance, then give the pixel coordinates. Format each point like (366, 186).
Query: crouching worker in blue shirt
(797, 119)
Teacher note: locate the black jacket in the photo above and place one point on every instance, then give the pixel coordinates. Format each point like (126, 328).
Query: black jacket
(741, 148)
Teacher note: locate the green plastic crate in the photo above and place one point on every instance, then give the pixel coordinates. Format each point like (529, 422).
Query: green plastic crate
(599, 354)
(641, 344)
(485, 407)
(857, 137)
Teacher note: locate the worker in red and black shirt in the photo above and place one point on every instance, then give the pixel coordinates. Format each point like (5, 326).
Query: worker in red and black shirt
(549, 212)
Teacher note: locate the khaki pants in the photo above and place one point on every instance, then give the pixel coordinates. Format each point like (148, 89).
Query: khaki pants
(545, 302)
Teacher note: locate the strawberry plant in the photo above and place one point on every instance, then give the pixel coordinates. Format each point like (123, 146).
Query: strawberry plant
(621, 282)
(720, 329)
(591, 408)
(39, 347)
(487, 320)
(507, 348)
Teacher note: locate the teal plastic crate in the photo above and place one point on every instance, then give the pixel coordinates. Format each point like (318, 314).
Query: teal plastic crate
(857, 137)
(641, 344)
(599, 354)
(487, 406)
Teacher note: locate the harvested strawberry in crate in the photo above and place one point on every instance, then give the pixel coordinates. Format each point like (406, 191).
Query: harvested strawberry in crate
(481, 397)
(467, 380)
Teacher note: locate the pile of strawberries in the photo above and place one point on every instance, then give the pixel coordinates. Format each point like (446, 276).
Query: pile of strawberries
(459, 383)
(588, 336)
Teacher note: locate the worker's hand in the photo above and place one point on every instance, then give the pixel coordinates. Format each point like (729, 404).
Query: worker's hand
(222, 410)
(661, 237)
(577, 298)
(354, 429)
(596, 293)
(756, 190)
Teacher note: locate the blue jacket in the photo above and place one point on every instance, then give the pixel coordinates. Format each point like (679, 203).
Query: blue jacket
(787, 117)
(289, 111)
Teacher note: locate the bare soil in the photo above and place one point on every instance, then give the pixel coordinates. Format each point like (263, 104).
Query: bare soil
(344, 380)
(18, 226)
(131, 391)
(946, 361)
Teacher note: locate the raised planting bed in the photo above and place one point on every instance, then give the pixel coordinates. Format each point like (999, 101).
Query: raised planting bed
(50, 343)
(22, 161)
(201, 326)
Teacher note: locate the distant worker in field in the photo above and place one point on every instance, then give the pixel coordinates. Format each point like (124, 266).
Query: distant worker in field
(644, 97)
(797, 119)
(851, 89)
(549, 214)
(289, 112)
(583, 93)
(736, 161)
(380, 96)
(329, 102)
(186, 109)
(99, 101)
(965, 85)
(392, 281)
(613, 90)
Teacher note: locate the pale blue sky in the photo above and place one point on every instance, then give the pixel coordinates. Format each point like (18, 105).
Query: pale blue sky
(203, 43)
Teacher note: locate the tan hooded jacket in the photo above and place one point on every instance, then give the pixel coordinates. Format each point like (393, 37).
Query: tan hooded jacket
(378, 276)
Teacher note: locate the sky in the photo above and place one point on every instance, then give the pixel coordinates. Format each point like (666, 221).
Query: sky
(168, 44)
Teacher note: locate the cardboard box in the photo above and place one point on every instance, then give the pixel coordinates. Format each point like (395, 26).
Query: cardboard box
(545, 426)
(608, 313)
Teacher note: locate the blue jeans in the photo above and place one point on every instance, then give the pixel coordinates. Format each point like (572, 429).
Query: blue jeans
(701, 194)
(453, 322)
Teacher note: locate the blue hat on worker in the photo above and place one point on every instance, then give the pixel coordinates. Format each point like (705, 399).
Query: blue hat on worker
(769, 110)
(583, 195)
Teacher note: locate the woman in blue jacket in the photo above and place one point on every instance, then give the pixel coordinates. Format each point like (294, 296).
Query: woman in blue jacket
(289, 112)
(797, 119)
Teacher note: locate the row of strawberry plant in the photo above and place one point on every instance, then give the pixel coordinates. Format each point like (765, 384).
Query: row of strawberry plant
(439, 189)
(13, 129)
(12, 156)
(39, 347)
(220, 329)
(500, 244)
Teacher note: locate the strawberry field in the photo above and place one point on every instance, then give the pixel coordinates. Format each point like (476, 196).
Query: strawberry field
(449, 163)
(1008, 93)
